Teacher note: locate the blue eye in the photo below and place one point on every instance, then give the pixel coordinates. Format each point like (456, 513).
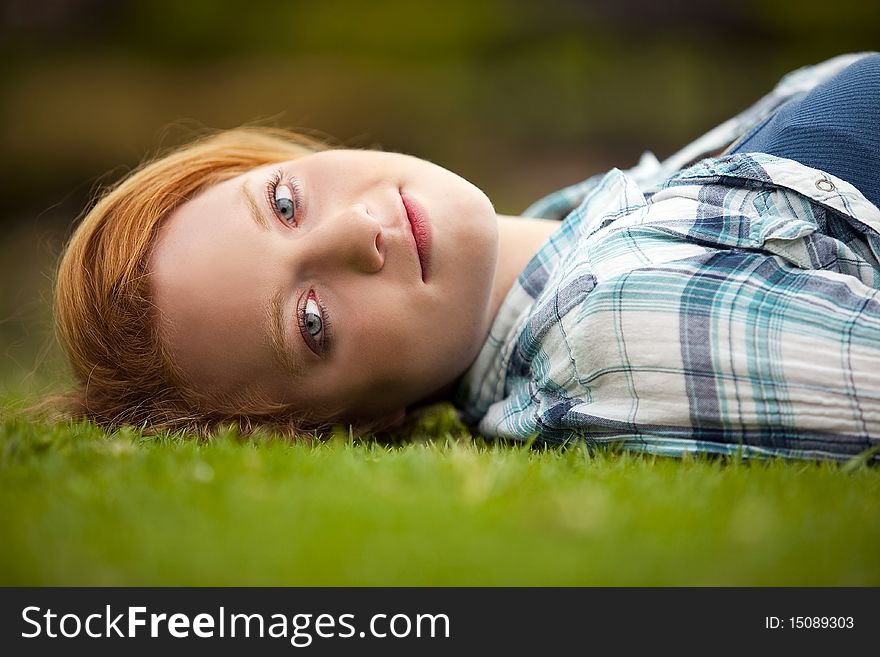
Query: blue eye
(285, 198)
(284, 203)
(312, 322)
(314, 325)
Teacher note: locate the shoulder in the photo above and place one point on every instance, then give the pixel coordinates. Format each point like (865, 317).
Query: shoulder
(649, 171)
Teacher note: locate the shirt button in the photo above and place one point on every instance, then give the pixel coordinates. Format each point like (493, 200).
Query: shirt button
(825, 185)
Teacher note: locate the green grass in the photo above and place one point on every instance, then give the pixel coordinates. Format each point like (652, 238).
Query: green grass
(83, 507)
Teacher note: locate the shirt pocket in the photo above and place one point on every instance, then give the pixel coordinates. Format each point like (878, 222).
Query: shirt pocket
(772, 220)
(810, 236)
(786, 224)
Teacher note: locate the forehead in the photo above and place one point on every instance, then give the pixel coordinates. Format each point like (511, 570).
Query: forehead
(209, 296)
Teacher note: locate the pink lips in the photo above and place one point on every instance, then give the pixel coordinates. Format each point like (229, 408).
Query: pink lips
(421, 230)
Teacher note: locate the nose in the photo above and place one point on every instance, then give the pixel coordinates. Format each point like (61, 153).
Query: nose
(352, 238)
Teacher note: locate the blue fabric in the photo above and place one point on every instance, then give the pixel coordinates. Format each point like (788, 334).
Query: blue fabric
(731, 306)
(835, 128)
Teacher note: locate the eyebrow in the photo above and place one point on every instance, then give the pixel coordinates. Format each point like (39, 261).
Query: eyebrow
(281, 349)
(253, 208)
(282, 352)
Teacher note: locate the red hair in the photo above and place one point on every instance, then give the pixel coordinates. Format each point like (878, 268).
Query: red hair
(104, 314)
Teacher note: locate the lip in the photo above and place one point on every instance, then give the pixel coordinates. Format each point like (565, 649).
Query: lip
(420, 225)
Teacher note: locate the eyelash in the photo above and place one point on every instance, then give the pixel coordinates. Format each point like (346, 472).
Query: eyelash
(318, 347)
(294, 185)
(326, 332)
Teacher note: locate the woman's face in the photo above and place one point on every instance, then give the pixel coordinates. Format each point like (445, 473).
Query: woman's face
(347, 283)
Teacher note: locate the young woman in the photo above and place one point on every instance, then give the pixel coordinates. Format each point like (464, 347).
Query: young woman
(727, 305)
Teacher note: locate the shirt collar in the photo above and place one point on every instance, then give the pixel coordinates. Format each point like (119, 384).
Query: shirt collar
(819, 186)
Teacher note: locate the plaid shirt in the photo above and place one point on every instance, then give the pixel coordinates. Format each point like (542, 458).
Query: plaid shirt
(728, 307)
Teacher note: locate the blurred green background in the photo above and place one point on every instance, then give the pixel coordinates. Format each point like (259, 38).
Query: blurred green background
(519, 97)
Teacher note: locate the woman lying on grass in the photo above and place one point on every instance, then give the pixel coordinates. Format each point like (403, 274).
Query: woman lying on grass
(692, 305)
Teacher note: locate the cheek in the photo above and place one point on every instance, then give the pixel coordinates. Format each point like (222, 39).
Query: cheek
(376, 328)
(398, 340)
(458, 332)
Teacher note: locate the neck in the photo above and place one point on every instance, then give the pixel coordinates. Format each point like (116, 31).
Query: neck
(519, 239)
